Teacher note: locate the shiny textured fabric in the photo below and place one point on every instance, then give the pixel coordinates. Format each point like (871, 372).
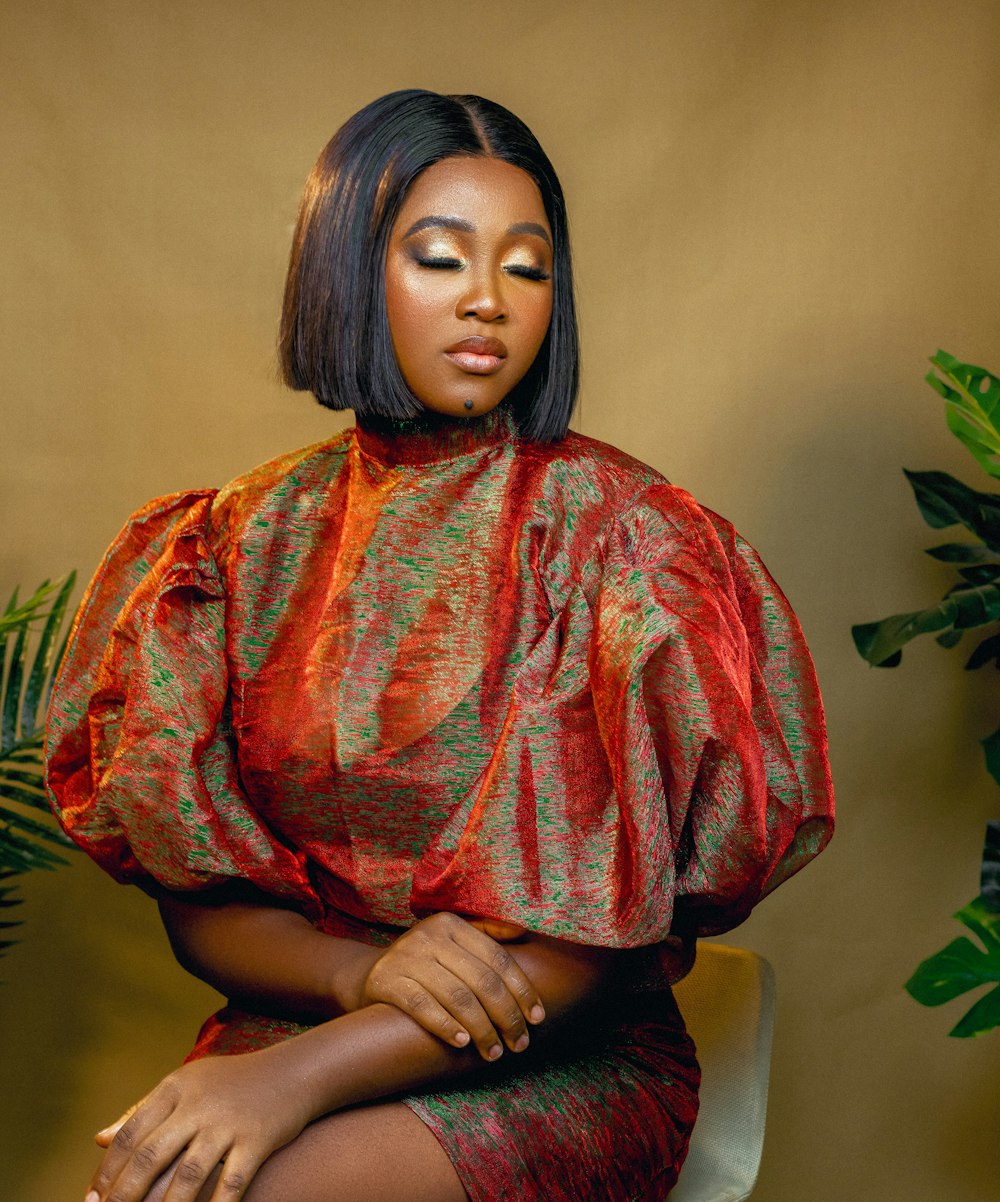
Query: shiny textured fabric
(430, 666)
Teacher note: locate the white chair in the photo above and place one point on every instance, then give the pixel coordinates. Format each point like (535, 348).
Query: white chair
(728, 1005)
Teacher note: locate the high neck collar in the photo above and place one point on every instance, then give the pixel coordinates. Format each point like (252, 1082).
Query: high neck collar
(432, 437)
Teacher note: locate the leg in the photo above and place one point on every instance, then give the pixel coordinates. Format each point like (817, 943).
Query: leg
(378, 1153)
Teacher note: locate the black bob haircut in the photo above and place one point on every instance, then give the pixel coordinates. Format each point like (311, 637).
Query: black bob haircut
(334, 339)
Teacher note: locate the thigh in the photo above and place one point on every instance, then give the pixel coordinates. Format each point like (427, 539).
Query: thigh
(377, 1153)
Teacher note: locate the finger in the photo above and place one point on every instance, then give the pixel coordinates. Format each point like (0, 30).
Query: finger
(237, 1172)
(454, 992)
(107, 1134)
(501, 962)
(493, 995)
(499, 929)
(412, 998)
(197, 1163)
(141, 1149)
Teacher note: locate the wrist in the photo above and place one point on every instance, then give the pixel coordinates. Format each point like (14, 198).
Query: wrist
(348, 969)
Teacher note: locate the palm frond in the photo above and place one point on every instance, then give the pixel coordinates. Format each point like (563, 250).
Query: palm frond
(31, 654)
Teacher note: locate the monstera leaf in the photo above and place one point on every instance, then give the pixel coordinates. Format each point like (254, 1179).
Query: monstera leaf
(972, 397)
(30, 632)
(962, 966)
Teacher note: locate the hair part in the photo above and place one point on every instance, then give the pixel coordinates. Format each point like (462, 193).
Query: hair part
(334, 337)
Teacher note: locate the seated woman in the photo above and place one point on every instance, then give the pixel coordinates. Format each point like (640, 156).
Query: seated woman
(438, 742)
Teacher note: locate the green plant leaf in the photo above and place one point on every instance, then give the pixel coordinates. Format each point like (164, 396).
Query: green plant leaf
(989, 874)
(881, 642)
(950, 638)
(980, 573)
(30, 631)
(987, 652)
(991, 750)
(31, 702)
(963, 553)
(962, 966)
(972, 407)
(945, 501)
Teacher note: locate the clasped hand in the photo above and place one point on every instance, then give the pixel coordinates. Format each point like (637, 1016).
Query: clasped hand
(450, 975)
(454, 979)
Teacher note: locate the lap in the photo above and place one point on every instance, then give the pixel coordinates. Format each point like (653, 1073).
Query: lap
(377, 1153)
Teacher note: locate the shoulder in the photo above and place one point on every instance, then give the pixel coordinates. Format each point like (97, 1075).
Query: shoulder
(596, 470)
(626, 499)
(279, 483)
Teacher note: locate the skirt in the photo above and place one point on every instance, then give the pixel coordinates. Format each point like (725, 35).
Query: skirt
(602, 1112)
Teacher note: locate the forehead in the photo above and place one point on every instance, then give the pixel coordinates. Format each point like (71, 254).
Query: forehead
(484, 191)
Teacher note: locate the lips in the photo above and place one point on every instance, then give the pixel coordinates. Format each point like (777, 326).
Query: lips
(480, 356)
(479, 346)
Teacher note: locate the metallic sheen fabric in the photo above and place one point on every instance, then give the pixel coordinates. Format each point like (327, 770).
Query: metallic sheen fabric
(430, 666)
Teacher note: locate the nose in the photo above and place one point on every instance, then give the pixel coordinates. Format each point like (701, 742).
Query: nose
(484, 298)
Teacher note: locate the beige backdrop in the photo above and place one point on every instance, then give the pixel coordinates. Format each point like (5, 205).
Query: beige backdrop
(779, 209)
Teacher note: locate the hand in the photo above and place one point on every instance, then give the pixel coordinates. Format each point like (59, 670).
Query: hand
(457, 982)
(228, 1110)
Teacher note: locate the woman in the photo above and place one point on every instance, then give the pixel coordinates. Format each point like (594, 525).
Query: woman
(442, 737)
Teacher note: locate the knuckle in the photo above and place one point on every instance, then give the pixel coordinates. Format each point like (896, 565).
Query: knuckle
(125, 1138)
(234, 1181)
(461, 996)
(146, 1156)
(491, 985)
(191, 1172)
(417, 999)
(501, 962)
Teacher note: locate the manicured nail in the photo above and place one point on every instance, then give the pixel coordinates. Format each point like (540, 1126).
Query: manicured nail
(537, 1014)
(521, 1044)
(494, 1053)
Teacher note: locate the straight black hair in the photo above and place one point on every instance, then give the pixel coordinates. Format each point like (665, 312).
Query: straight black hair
(334, 338)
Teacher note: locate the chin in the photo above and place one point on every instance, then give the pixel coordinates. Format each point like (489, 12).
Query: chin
(456, 406)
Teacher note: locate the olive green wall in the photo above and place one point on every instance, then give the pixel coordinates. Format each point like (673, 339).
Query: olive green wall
(779, 209)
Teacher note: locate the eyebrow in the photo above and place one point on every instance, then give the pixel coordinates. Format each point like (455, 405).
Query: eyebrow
(459, 223)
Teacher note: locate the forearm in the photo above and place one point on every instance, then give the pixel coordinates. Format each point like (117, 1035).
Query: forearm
(264, 958)
(378, 1051)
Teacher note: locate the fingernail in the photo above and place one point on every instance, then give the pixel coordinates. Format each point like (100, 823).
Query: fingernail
(494, 1053)
(93, 1196)
(462, 1037)
(521, 1044)
(537, 1014)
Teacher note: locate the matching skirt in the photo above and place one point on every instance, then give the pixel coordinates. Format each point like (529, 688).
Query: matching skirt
(601, 1112)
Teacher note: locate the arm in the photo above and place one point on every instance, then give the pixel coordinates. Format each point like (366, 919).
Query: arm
(261, 956)
(238, 1109)
(273, 960)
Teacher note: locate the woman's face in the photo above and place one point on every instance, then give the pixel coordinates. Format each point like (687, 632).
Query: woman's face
(468, 283)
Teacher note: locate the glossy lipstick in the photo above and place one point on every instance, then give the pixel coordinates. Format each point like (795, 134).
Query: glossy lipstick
(479, 356)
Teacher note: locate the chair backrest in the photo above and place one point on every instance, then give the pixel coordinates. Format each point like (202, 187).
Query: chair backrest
(728, 1005)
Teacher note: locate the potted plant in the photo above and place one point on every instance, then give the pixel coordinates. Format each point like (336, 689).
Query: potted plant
(972, 602)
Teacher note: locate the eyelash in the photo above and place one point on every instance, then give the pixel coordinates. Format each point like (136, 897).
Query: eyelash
(528, 273)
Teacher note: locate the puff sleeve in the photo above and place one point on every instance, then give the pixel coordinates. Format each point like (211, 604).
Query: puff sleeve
(141, 766)
(701, 666)
(664, 763)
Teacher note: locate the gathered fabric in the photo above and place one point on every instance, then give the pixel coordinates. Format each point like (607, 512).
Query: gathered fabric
(431, 666)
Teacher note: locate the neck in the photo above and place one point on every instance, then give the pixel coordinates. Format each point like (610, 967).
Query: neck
(432, 436)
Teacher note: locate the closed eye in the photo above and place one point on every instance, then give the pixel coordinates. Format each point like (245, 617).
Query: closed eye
(521, 269)
(440, 262)
(529, 273)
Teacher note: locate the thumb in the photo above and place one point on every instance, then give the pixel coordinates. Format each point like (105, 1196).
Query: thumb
(499, 929)
(107, 1134)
